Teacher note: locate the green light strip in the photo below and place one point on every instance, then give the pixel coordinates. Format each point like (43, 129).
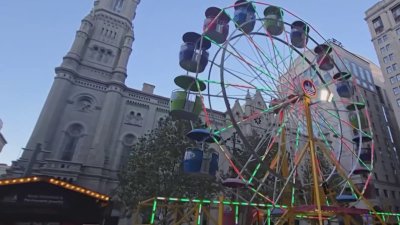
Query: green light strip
(327, 144)
(236, 215)
(268, 206)
(153, 211)
(264, 156)
(199, 215)
(269, 216)
(292, 202)
(332, 129)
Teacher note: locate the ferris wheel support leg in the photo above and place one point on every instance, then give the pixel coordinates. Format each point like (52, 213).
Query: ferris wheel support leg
(346, 220)
(352, 185)
(221, 210)
(317, 196)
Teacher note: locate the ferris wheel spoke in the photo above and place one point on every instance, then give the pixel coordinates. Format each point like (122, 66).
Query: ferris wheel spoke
(346, 122)
(257, 71)
(262, 55)
(239, 56)
(238, 75)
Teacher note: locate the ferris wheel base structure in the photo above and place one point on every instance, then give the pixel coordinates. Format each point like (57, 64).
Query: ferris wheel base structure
(185, 211)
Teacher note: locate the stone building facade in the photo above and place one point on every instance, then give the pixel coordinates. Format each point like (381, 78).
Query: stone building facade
(383, 20)
(91, 118)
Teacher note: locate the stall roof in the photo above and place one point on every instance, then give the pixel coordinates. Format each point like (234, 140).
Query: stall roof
(55, 182)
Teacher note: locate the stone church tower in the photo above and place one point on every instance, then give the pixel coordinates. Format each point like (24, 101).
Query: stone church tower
(90, 118)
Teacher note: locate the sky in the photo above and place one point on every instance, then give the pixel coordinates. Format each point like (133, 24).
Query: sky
(35, 35)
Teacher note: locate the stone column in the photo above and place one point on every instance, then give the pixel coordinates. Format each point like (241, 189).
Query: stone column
(80, 39)
(102, 140)
(51, 113)
(119, 73)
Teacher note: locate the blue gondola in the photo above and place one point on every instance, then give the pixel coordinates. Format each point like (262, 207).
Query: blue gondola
(346, 198)
(203, 135)
(193, 55)
(299, 34)
(244, 16)
(192, 160)
(216, 25)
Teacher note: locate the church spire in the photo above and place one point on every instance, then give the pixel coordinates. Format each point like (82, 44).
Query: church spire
(104, 41)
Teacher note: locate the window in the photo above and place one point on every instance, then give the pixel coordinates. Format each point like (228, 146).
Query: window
(396, 90)
(394, 66)
(393, 80)
(71, 139)
(368, 75)
(383, 50)
(118, 5)
(354, 69)
(371, 87)
(398, 77)
(387, 178)
(378, 25)
(396, 13)
(386, 59)
(364, 84)
(377, 192)
(389, 69)
(384, 38)
(385, 193)
(379, 40)
(391, 57)
(387, 47)
(361, 72)
(398, 102)
(398, 31)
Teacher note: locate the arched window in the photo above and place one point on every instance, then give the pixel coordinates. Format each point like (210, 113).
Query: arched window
(127, 147)
(118, 5)
(72, 136)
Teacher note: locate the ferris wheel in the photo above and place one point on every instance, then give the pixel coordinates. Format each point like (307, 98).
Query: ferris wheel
(297, 131)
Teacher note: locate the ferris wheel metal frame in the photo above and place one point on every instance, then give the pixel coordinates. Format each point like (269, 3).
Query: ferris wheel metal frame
(318, 211)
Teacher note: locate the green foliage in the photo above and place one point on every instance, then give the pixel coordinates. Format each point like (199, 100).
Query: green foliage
(155, 167)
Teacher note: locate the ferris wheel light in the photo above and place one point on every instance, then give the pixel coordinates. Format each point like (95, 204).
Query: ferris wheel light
(325, 95)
